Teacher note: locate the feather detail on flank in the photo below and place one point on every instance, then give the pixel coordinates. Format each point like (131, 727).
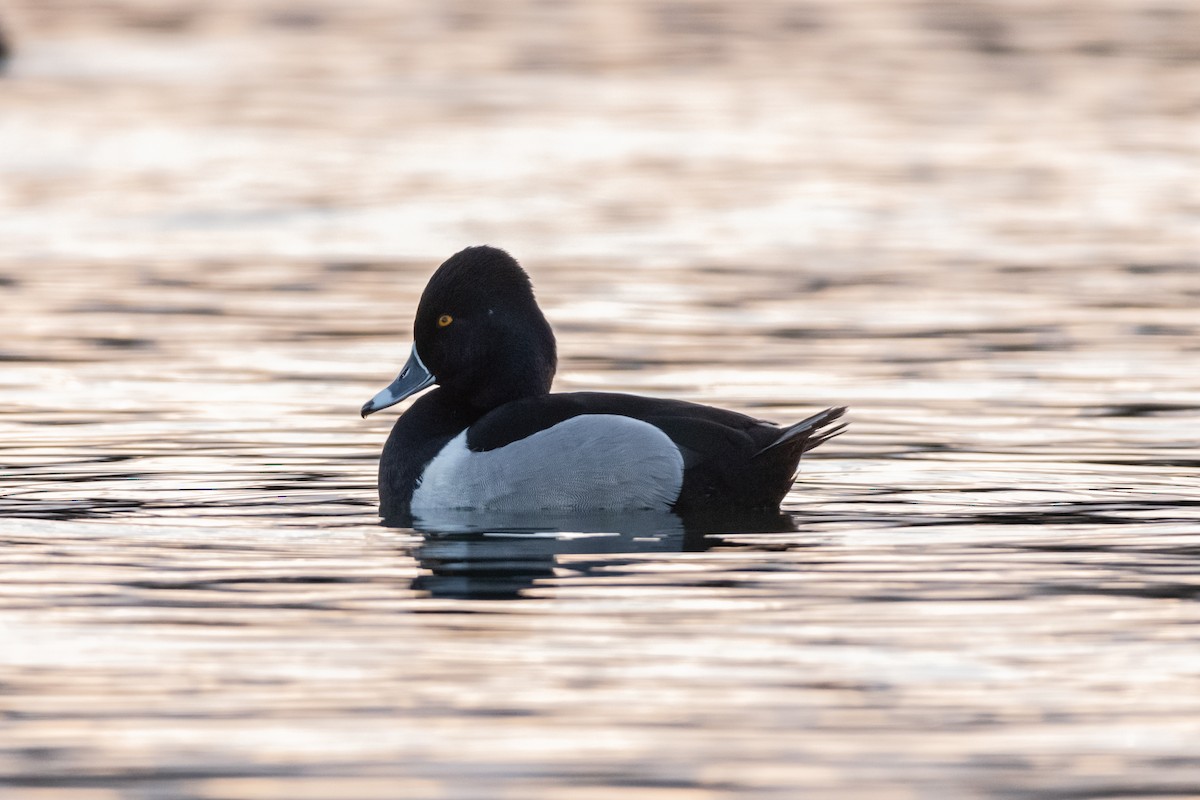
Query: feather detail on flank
(565, 466)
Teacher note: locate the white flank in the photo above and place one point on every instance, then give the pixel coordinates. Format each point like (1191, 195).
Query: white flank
(593, 461)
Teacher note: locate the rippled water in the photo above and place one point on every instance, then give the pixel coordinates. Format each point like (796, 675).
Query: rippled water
(215, 221)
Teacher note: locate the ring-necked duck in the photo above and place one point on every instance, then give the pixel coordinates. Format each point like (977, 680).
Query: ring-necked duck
(492, 436)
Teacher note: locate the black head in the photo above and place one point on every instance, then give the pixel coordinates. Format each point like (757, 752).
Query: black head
(479, 330)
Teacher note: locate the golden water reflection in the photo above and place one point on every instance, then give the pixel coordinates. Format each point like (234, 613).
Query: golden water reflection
(973, 225)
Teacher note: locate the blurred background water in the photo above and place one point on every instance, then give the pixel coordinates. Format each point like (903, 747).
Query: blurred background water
(977, 224)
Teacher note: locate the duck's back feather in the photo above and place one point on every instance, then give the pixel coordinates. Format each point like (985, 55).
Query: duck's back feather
(730, 459)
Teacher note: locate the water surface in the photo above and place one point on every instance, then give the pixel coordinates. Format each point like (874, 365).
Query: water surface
(216, 222)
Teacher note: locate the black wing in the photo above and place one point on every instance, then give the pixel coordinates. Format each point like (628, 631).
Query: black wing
(697, 429)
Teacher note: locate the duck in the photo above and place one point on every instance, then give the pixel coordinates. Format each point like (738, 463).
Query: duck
(490, 435)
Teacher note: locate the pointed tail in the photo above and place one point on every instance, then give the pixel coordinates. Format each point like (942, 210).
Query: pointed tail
(808, 432)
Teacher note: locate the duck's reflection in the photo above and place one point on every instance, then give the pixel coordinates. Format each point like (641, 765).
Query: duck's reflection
(499, 556)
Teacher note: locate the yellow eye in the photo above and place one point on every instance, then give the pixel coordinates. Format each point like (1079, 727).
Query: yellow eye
(444, 320)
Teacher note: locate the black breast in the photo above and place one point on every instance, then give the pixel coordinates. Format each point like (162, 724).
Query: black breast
(418, 435)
